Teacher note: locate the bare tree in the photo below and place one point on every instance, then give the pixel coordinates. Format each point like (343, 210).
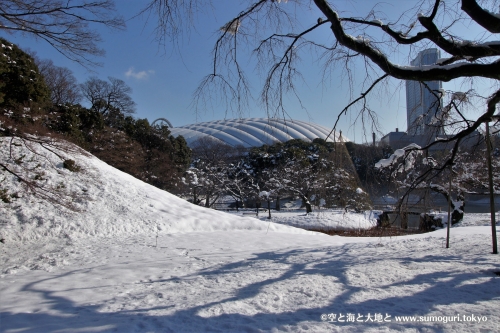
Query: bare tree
(208, 172)
(65, 25)
(213, 150)
(62, 83)
(105, 96)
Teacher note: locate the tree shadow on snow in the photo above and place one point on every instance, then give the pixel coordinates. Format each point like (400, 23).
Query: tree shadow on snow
(435, 290)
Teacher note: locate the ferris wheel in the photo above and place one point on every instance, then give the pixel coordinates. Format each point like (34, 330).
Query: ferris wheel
(162, 122)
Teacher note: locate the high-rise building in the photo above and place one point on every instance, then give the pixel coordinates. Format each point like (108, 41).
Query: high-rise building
(423, 108)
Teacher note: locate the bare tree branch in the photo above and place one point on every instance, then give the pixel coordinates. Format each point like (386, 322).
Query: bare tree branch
(65, 25)
(434, 73)
(483, 17)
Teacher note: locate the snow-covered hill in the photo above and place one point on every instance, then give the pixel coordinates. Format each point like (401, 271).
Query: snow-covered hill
(108, 201)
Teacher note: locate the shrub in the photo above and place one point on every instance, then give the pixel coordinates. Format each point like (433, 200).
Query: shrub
(71, 165)
(3, 196)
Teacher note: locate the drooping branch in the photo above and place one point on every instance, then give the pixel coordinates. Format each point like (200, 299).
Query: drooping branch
(65, 25)
(361, 97)
(283, 68)
(227, 73)
(229, 30)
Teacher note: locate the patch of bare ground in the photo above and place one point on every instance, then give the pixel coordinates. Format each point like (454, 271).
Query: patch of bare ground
(372, 232)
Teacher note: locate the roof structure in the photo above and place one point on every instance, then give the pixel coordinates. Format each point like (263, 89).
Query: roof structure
(255, 132)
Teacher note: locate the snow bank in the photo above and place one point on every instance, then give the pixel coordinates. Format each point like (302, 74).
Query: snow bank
(109, 202)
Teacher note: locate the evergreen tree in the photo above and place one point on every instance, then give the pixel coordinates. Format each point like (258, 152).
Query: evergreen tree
(20, 80)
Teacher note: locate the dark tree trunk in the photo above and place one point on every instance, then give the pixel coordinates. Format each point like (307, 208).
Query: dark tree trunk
(308, 207)
(458, 212)
(307, 204)
(195, 197)
(278, 207)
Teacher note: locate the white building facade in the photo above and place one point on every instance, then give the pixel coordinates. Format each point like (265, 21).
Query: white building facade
(423, 100)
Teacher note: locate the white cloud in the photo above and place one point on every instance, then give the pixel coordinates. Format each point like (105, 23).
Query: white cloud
(142, 75)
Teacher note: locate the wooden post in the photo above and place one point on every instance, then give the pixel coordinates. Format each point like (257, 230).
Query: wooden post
(448, 226)
(490, 185)
(269, 207)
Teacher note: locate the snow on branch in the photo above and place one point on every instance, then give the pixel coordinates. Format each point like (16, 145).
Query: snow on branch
(439, 73)
(403, 152)
(486, 19)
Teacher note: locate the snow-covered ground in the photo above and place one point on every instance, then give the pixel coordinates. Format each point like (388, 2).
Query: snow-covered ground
(137, 259)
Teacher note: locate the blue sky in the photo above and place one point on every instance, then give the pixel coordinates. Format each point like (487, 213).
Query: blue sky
(163, 80)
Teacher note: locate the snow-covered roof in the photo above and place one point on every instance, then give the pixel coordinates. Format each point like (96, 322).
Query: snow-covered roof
(254, 132)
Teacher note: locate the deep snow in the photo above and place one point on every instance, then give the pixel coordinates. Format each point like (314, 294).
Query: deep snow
(137, 259)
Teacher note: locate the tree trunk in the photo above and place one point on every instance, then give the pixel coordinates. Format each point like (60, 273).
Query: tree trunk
(307, 204)
(308, 207)
(278, 208)
(458, 212)
(195, 197)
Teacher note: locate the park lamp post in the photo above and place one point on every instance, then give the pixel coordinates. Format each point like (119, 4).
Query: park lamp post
(490, 181)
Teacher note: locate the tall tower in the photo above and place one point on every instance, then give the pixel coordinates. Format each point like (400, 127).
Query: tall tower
(422, 106)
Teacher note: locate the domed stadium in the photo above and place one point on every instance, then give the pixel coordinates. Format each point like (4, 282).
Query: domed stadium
(255, 132)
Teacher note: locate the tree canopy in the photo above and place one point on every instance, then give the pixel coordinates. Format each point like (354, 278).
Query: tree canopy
(20, 80)
(61, 82)
(108, 96)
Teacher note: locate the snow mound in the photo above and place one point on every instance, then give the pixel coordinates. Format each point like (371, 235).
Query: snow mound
(106, 202)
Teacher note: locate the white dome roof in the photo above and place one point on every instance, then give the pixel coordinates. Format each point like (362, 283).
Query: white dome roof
(255, 132)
